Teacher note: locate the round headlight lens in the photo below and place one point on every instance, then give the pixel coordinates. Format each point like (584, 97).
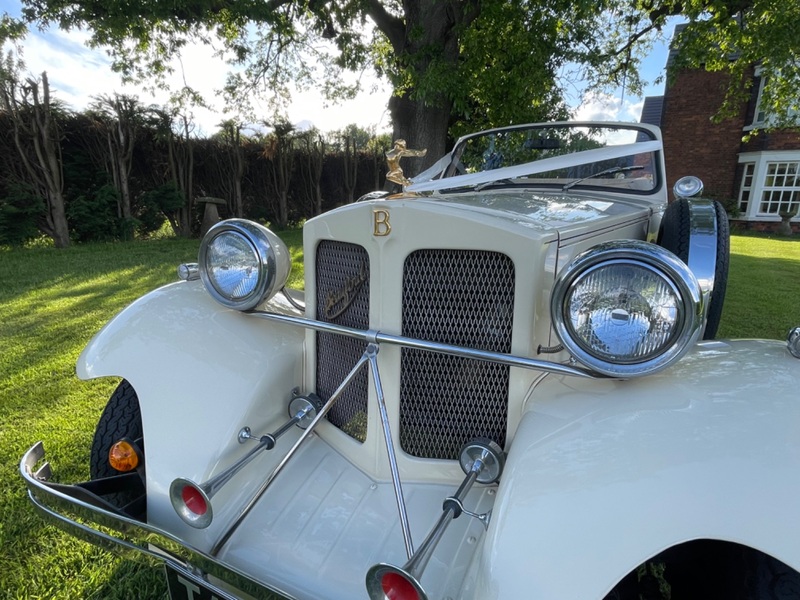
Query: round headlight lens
(623, 312)
(627, 308)
(242, 263)
(232, 265)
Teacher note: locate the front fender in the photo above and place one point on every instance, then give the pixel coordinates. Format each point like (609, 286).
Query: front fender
(602, 475)
(201, 373)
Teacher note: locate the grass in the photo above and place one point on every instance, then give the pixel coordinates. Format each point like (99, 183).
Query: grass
(52, 302)
(763, 295)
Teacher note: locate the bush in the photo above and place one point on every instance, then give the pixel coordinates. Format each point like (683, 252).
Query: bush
(20, 211)
(153, 206)
(92, 217)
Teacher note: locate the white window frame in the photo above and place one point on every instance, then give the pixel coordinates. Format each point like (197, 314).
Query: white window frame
(761, 162)
(765, 119)
(758, 112)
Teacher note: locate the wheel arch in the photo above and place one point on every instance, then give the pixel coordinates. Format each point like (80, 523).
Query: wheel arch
(709, 568)
(201, 372)
(602, 474)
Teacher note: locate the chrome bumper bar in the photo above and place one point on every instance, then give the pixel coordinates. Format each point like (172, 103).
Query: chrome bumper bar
(71, 508)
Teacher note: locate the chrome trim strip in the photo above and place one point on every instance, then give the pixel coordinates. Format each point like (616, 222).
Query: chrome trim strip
(129, 537)
(703, 244)
(372, 336)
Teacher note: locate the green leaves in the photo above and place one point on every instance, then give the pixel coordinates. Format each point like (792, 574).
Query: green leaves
(489, 63)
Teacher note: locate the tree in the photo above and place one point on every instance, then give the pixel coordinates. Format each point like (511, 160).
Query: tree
(417, 45)
(350, 171)
(728, 36)
(487, 61)
(37, 139)
(234, 168)
(174, 128)
(120, 118)
(279, 152)
(311, 164)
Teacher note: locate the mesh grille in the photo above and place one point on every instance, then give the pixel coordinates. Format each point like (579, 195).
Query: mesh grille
(462, 297)
(343, 298)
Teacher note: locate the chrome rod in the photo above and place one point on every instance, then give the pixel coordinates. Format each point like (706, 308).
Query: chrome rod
(372, 353)
(451, 511)
(407, 342)
(264, 486)
(182, 490)
(213, 485)
(482, 460)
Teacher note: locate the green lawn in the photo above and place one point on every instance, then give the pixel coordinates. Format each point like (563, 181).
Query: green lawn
(52, 302)
(763, 296)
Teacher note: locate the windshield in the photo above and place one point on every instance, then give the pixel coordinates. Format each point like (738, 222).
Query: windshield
(562, 156)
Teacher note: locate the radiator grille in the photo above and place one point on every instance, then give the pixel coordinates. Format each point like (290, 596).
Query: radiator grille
(462, 297)
(343, 298)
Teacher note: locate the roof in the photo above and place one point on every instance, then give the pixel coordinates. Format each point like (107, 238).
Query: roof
(652, 110)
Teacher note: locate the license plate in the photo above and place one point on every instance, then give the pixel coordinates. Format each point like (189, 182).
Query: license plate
(183, 585)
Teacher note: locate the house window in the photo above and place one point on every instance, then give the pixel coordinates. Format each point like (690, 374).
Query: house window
(770, 184)
(781, 191)
(760, 115)
(746, 187)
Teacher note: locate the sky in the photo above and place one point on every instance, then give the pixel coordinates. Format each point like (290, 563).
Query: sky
(77, 73)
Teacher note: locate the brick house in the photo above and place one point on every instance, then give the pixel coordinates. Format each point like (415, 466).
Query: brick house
(757, 181)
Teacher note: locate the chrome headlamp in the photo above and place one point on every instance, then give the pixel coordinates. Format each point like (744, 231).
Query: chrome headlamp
(627, 308)
(242, 264)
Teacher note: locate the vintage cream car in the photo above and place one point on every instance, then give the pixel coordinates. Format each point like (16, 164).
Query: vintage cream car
(500, 383)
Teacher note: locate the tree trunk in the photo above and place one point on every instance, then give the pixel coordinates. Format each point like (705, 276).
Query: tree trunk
(60, 233)
(429, 32)
(350, 162)
(422, 127)
(38, 142)
(238, 201)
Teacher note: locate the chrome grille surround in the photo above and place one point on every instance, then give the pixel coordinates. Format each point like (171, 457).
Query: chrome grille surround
(339, 266)
(465, 298)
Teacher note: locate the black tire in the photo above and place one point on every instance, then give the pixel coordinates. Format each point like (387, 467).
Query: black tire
(675, 234)
(709, 569)
(121, 418)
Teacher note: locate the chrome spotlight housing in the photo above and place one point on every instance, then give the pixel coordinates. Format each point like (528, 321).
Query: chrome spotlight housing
(627, 308)
(242, 263)
(688, 187)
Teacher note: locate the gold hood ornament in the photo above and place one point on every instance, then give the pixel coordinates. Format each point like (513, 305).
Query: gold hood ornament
(393, 156)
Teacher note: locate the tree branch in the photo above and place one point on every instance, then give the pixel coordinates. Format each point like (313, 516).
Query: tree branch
(391, 26)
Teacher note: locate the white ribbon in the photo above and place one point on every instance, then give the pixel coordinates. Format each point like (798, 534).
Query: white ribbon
(423, 183)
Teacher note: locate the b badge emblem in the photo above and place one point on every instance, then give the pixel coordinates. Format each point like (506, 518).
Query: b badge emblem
(380, 222)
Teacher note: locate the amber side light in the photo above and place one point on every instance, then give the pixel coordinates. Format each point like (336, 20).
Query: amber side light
(123, 456)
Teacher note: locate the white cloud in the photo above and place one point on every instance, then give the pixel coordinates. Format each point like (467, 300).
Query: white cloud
(597, 106)
(634, 109)
(78, 73)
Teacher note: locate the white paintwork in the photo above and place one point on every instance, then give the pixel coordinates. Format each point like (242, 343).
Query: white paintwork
(600, 476)
(316, 533)
(201, 372)
(603, 475)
